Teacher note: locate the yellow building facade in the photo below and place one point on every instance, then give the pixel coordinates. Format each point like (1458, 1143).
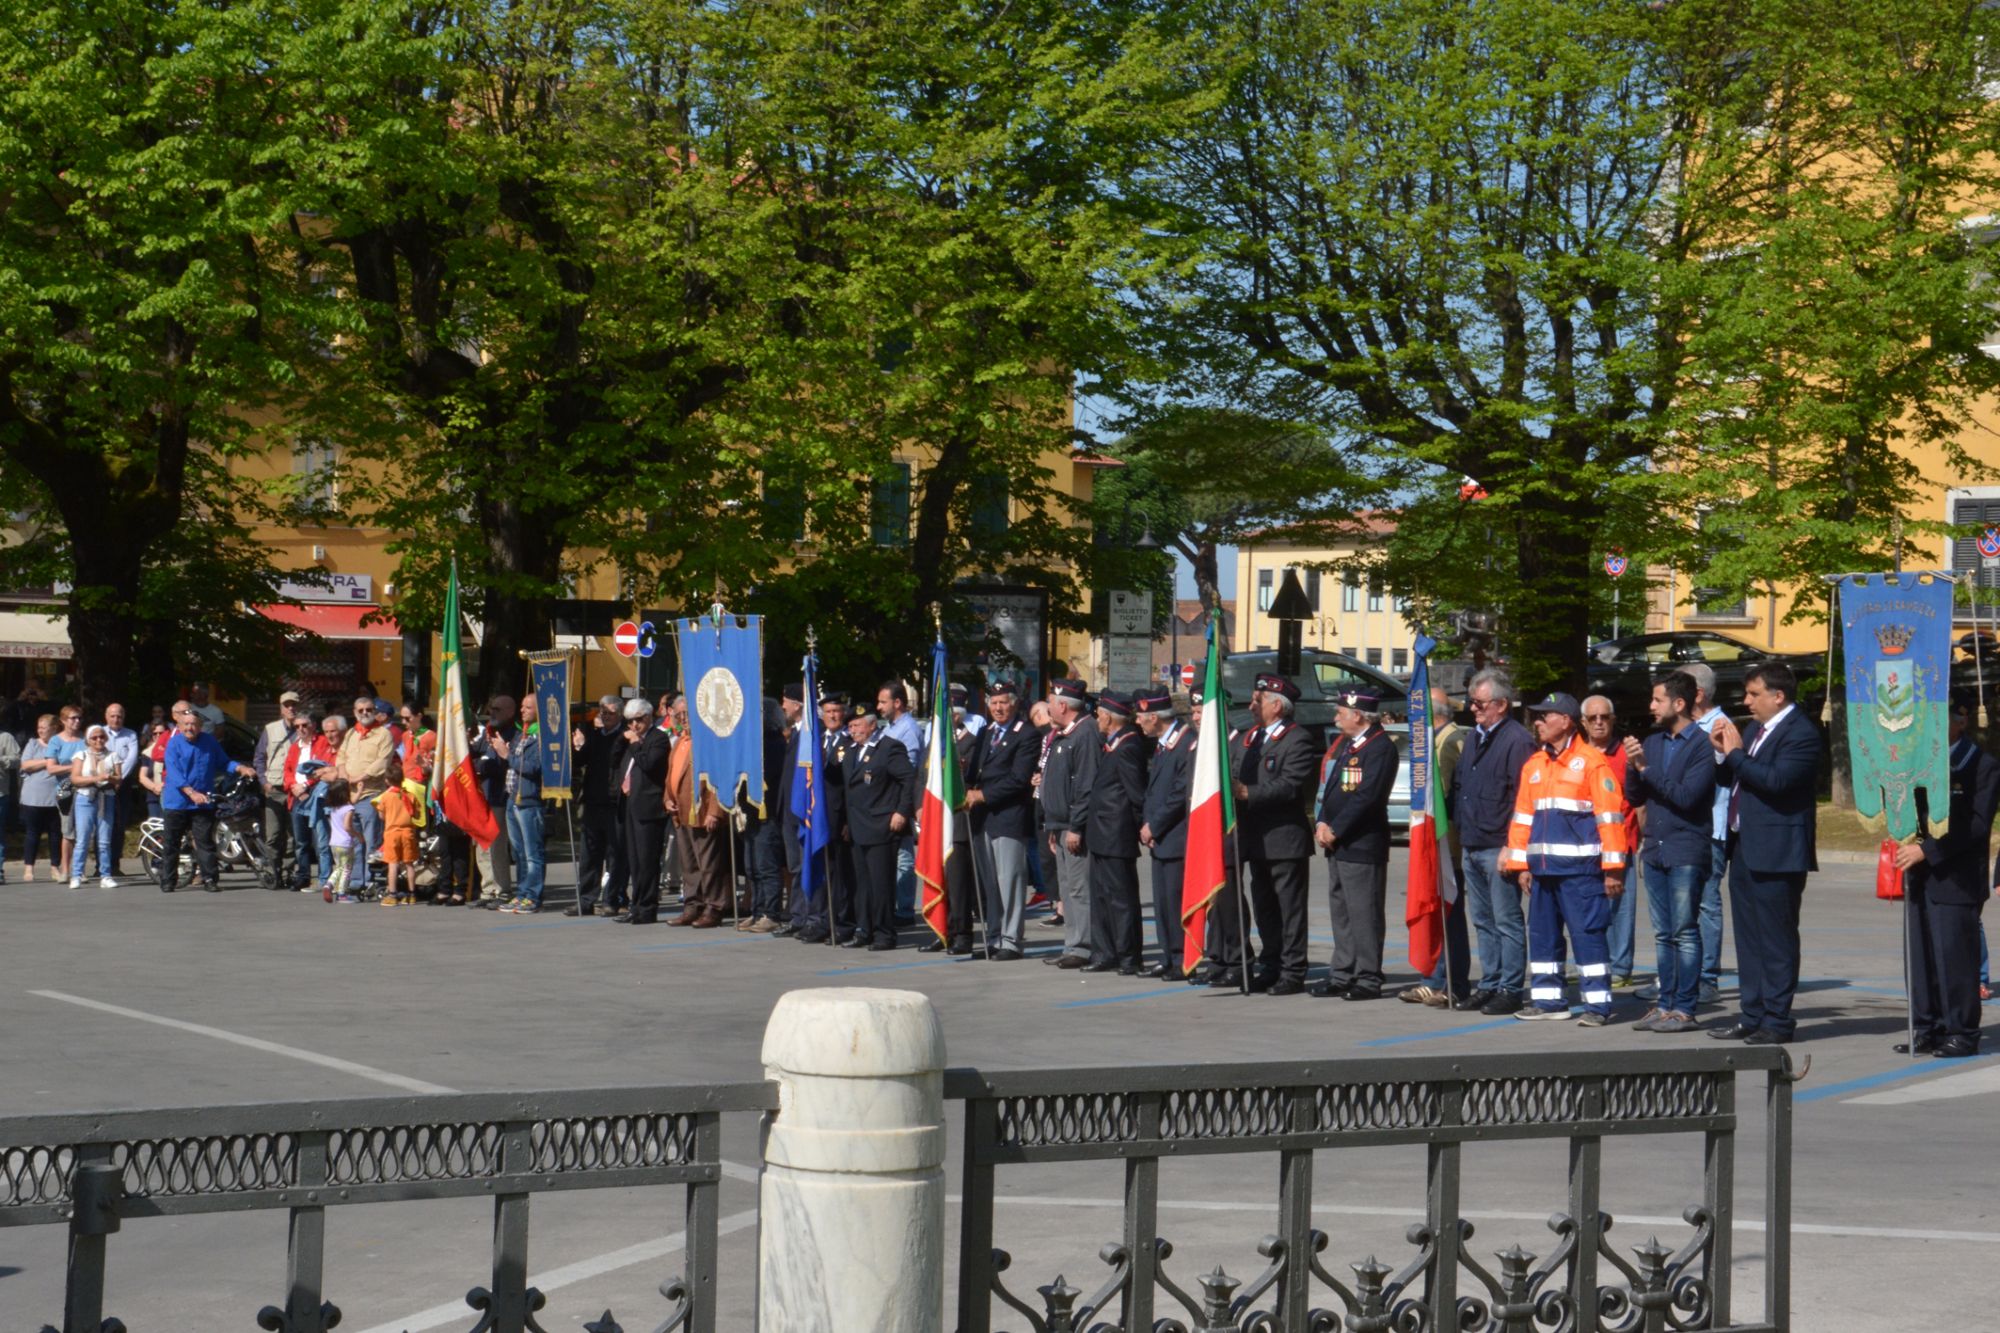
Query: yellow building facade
(1353, 613)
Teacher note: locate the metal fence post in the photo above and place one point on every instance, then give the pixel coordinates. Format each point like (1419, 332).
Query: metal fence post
(1142, 1214)
(1441, 1209)
(95, 1187)
(1778, 1200)
(1586, 1154)
(852, 1192)
(704, 1213)
(975, 1219)
(1719, 1198)
(1295, 1202)
(305, 1250)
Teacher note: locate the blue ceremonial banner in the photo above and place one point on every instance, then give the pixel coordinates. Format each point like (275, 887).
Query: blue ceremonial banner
(551, 675)
(809, 789)
(1896, 630)
(722, 673)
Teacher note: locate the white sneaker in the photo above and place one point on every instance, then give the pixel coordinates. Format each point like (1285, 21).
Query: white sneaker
(107, 883)
(76, 881)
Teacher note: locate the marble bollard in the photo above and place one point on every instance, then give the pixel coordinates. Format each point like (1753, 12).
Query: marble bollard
(851, 1228)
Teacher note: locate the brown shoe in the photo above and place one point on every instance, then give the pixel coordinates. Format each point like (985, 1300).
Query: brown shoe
(744, 923)
(708, 920)
(689, 916)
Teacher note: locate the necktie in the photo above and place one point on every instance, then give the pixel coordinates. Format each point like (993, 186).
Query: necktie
(1736, 792)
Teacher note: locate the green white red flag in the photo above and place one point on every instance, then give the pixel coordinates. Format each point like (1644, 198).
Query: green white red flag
(1211, 808)
(944, 801)
(454, 784)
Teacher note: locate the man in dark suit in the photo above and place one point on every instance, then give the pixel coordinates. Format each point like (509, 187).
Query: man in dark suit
(831, 911)
(881, 805)
(1947, 886)
(1772, 767)
(1353, 831)
(596, 784)
(960, 885)
(792, 702)
(1117, 807)
(1000, 800)
(1164, 834)
(642, 782)
(1273, 763)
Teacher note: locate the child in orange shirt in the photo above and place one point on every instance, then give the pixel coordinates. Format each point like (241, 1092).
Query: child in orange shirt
(399, 839)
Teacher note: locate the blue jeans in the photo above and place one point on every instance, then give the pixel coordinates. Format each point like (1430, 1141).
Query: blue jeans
(524, 839)
(1673, 893)
(323, 845)
(89, 821)
(368, 833)
(1618, 934)
(308, 854)
(764, 848)
(1710, 914)
(1495, 903)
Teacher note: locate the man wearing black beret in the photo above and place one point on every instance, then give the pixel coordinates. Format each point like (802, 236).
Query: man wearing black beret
(1353, 831)
(1274, 764)
(1117, 809)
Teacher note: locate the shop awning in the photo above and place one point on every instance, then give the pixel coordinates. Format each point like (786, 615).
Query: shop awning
(25, 634)
(334, 622)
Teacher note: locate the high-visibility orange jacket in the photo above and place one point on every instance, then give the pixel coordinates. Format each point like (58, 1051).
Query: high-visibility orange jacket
(1569, 818)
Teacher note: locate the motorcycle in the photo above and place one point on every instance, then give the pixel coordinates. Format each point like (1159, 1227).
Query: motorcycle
(239, 833)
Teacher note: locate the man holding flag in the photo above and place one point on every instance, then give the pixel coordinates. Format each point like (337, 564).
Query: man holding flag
(1211, 819)
(1449, 981)
(807, 805)
(454, 784)
(941, 813)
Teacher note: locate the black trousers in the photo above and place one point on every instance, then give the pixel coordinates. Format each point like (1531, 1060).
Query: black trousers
(1168, 875)
(839, 895)
(277, 840)
(180, 824)
(1278, 906)
(1765, 912)
(1114, 910)
(645, 844)
(1944, 964)
(455, 862)
(603, 854)
(960, 892)
(875, 891)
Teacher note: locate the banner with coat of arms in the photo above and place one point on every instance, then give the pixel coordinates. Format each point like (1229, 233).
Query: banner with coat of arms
(1896, 632)
(722, 673)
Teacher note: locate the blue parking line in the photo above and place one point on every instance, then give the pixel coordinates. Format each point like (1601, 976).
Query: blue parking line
(1446, 1032)
(683, 944)
(1914, 1069)
(540, 925)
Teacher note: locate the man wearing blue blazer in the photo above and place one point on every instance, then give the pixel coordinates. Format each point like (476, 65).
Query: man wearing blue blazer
(1772, 771)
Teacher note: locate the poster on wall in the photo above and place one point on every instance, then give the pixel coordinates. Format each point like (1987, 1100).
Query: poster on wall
(1003, 636)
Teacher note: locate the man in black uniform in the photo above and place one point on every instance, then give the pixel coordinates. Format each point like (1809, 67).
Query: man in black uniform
(959, 886)
(642, 781)
(1117, 808)
(797, 909)
(1353, 831)
(1274, 764)
(1164, 833)
(1947, 883)
(596, 782)
(1000, 800)
(832, 910)
(881, 787)
(1068, 771)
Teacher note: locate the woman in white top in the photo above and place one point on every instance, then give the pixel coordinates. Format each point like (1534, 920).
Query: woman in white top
(94, 774)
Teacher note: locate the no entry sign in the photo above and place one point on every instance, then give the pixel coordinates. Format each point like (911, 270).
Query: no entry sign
(625, 638)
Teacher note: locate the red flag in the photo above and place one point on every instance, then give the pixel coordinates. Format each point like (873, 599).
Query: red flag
(453, 781)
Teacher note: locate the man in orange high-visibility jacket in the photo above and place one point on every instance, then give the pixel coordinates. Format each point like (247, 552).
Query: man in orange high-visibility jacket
(1567, 844)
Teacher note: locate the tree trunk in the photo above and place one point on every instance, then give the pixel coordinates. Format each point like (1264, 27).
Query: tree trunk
(1548, 625)
(524, 558)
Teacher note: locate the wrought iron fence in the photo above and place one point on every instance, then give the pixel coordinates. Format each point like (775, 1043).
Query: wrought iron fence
(1145, 1116)
(94, 1172)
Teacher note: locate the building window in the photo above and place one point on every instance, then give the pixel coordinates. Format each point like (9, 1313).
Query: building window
(1350, 592)
(316, 489)
(989, 506)
(1375, 594)
(1264, 577)
(1973, 517)
(1400, 602)
(889, 510)
(1312, 589)
(1347, 650)
(1399, 659)
(1375, 657)
(784, 510)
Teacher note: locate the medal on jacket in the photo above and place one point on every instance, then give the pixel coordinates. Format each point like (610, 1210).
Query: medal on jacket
(1350, 774)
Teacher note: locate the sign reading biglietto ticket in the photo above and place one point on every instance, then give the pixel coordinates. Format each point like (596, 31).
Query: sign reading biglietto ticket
(1896, 633)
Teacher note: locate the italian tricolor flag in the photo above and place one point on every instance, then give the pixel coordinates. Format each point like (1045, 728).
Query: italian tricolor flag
(454, 785)
(1211, 808)
(944, 800)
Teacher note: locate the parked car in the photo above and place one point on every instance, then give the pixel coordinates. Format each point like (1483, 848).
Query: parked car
(1623, 670)
(1323, 676)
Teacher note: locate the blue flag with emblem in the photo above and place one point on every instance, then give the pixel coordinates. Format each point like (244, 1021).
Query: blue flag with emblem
(722, 671)
(809, 788)
(1896, 632)
(551, 675)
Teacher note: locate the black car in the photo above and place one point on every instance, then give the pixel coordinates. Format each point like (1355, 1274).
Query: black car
(1623, 670)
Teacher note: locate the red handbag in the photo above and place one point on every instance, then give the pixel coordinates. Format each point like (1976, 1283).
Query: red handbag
(1888, 879)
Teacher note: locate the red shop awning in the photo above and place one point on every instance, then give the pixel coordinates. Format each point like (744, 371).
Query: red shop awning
(334, 622)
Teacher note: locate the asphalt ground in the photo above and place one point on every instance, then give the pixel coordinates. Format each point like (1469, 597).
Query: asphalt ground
(1894, 1175)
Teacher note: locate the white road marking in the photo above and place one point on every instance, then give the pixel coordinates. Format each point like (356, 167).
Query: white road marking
(583, 1270)
(1968, 1084)
(254, 1043)
(1360, 1210)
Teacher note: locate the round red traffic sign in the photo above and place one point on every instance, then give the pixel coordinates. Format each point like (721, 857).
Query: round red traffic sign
(1989, 543)
(626, 639)
(1615, 563)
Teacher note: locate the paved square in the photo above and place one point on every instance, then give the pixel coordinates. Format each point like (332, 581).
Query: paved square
(130, 998)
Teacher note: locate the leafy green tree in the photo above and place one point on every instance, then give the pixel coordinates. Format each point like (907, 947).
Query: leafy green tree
(152, 306)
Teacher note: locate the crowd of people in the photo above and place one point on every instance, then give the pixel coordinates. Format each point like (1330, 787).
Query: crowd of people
(1555, 826)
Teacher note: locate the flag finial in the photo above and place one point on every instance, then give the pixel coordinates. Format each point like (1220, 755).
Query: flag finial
(937, 619)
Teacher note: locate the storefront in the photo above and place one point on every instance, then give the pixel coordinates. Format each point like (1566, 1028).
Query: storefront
(34, 650)
(351, 654)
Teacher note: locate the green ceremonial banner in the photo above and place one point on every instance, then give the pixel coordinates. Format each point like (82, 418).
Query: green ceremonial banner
(1896, 632)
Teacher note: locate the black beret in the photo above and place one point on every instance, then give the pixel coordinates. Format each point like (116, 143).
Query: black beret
(795, 690)
(1364, 701)
(1000, 689)
(1158, 702)
(1271, 683)
(1113, 702)
(1073, 690)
